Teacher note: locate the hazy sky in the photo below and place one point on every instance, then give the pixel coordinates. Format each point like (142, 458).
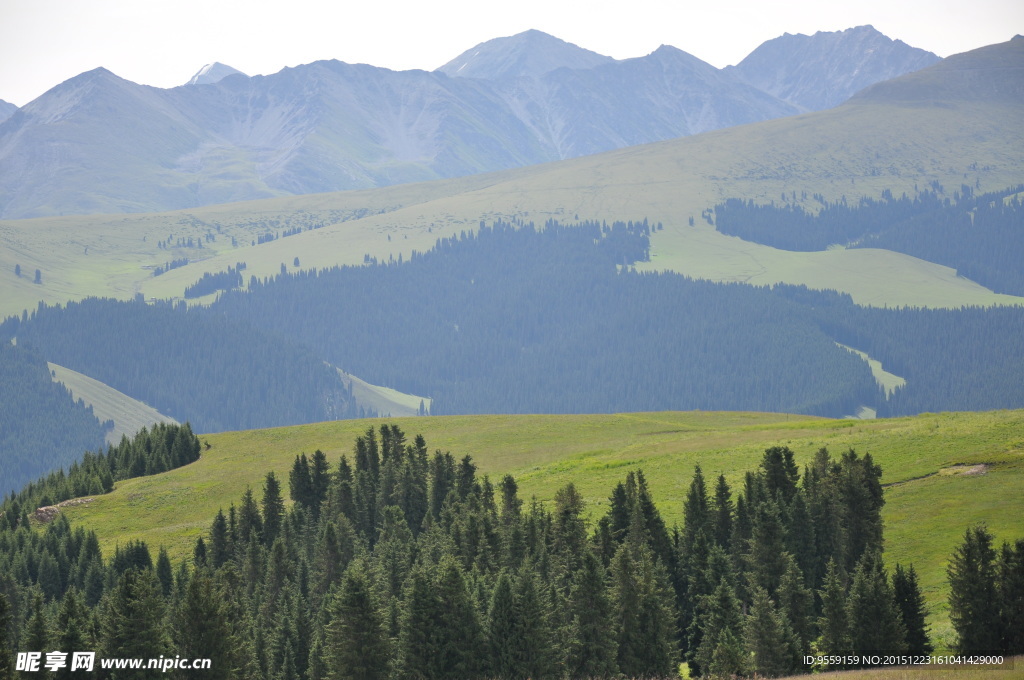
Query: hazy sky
(163, 42)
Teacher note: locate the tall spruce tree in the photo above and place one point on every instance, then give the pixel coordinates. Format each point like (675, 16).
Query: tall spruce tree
(973, 600)
(459, 632)
(201, 626)
(71, 629)
(768, 638)
(591, 643)
(875, 623)
(355, 644)
(6, 638)
(132, 622)
(536, 640)
(503, 631)
(910, 603)
(1010, 588)
(722, 513)
(833, 624)
(272, 509)
(721, 626)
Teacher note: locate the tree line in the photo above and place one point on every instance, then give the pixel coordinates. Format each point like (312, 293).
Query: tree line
(151, 451)
(978, 235)
(190, 364)
(398, 563)
(521, 319)
(42, 427)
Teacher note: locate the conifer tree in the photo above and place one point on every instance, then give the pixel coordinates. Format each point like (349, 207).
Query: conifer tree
(721, 626)
(36, 637)
(730, 658)
(250, 523)
(132, 622)
(875, 623)
(536, 657)
(219, 543)
(71, 628)
(780, 473)
(796, 604)
(355, 643)
(591, 643)
(459, 632)
(319, 481)
(569, 534)
(833, 624)
(860, 489)
(201, 628)
(768, 638)
(1010, 588)
(417, 641)
(767, 558)
(800, 541)
(503, 631)
(6, 639)
(973, 603)
(272, 509)
(722, 513)
(910, 603)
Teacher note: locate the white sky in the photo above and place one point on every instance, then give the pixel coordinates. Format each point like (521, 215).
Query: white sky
(163, 42)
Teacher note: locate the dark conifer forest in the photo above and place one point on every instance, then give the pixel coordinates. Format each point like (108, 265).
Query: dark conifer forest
(394, 562)
(191, 365)
(978, 235)
(41, 427)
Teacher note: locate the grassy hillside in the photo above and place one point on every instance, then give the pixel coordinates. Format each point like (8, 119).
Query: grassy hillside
(943, 472)
(859, 149)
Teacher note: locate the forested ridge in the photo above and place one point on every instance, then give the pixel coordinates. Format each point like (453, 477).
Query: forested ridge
(190, 364)
(41, 426)
(527, 320)
(978, 235)
(397, 563)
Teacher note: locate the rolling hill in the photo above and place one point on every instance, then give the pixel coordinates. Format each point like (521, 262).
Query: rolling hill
(951, 124)
(942, 472)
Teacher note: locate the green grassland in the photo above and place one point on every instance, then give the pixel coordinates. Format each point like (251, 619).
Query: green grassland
(855, 150)
(129, 415)
(930, 501)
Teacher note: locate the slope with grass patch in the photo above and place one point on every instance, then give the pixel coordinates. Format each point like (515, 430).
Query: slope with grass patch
(129, 415)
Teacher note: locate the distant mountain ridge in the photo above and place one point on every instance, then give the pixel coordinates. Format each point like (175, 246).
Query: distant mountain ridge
(823, 70)
(7, 110)
(101, 144)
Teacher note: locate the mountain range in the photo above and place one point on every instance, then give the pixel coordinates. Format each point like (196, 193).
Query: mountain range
(99, 144)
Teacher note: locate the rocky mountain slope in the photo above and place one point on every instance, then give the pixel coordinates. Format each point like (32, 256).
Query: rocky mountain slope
(823, 70)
